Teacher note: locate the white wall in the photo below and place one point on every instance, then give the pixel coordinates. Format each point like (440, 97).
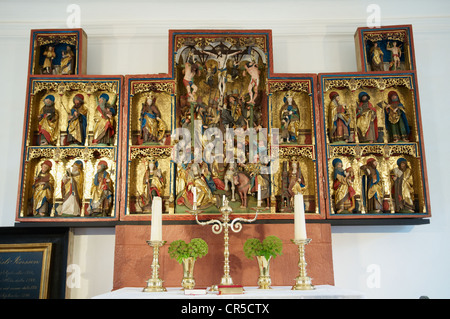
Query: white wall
(308, 36)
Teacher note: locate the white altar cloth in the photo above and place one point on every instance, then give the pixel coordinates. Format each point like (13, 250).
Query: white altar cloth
(277, 292)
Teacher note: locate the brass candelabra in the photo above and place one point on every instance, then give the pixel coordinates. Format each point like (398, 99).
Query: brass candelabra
(223, 224)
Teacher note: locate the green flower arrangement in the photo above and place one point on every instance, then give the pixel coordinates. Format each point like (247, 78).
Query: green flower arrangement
(271, 246)
(179, 249)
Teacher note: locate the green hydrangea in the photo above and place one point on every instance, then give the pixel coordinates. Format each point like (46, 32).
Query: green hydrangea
(271, 246)
(180, 250)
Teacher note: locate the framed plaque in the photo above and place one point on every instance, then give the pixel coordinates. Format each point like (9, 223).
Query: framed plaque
(24, 270)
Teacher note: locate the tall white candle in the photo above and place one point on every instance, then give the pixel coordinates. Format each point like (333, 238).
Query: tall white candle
(259, 192)
(156, 229)
(194, 192)
(299, 218)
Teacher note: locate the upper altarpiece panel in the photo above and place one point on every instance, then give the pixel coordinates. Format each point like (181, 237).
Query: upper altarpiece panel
(58, 52)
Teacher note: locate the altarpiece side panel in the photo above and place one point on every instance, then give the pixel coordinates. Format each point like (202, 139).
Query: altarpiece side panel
(70, 163)
(375, 164)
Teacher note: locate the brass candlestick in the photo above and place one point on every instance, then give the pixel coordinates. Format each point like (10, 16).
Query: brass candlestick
(302, 281)
(155, 284)
(224, 224)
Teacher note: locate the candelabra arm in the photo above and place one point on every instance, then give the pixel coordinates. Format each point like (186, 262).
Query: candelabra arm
(236, 224)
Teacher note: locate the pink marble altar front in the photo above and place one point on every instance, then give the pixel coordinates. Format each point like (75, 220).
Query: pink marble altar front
(133, 256)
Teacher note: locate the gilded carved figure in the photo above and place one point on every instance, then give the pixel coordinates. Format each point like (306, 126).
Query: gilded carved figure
(339, 119)
(191, 69)
(218, 170)
(222, 59)
(396, 122)
(72, 190)
(376, 57)
(153, 127)
(259, 180)
(77, 122)
(204, 196)
(153, 181)
(402, 188)
(396, 54)
(290, 120)
(372, 190)
(366, 119)
(49, 55)
(292, 183)
(42, 190)
(102, 191)
(344, 193)
(67, 61)
(252, 69)
(48, 122)
(296, 181)
(104, 123)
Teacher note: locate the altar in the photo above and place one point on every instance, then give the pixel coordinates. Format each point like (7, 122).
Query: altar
(278, 292)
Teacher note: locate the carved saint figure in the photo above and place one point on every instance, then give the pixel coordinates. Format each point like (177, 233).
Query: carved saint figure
(396, 54)
(240, 113)
(218, 170)
(258, 179)
(366, 119)
(290, 119)
(72, 190)
(43, 188)
(296, 181)
(102, 191)
(292, 183)
(226, 114)
(376, 57)
(396, 121)
(153, 185)
(77, 122)
(254, 72)
(339, 119)
(204, 196)
(67, 61)
(402, 189)
(344, 194)
(48, 122)
(49, 55)
(104, 128)
(372, 191)
(153, 127)
(191, 69)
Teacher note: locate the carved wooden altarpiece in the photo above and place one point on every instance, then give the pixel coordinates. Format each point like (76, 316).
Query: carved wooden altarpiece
(100, 148)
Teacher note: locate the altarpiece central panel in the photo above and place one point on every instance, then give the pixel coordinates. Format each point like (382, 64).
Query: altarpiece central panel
(222, 124)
